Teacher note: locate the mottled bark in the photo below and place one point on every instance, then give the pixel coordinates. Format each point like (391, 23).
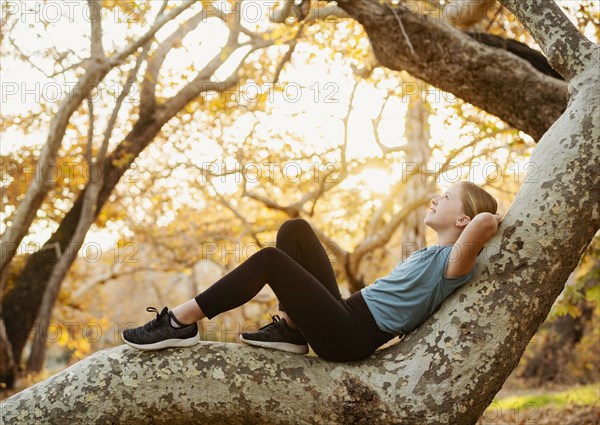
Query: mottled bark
(212, 383)
(445, 372)
(557, 347)
(567, 50)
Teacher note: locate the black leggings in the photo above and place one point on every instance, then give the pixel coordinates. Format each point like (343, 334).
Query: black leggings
(299, 272)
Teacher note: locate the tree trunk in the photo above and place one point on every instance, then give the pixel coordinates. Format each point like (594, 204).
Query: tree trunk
(558, 345)
(36, 359)
(7, 361)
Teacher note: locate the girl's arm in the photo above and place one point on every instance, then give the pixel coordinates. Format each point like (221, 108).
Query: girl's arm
(464, 252)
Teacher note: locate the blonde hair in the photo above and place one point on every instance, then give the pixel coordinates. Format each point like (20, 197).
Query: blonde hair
(476, 200)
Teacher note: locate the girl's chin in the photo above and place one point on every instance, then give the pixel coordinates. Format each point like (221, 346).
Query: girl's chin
(429, 222)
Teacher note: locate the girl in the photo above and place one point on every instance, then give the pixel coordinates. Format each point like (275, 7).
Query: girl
(313, 310)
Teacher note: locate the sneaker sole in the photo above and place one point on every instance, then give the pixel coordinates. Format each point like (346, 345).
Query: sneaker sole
(283, 346)
(167, 343)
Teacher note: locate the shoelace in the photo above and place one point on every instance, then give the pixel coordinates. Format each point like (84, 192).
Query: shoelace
(151, 325)
(275, 319)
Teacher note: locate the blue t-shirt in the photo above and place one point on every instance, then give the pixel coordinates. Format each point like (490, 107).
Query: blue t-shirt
(411, 292)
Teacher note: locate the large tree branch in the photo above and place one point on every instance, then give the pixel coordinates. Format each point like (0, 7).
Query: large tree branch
(444, 372)
(568, 51)
(489, 78)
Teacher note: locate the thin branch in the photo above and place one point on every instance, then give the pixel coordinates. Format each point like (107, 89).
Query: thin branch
(385, 234)
(202, 83)
(494, 19)
(247, 225)
(113, 118)
(401, 25)
(345, 121)
(90, 133)
(376, 121)
(120, 56)
(148, 90)
(95, 10)
(26, 58)
(290, 10)
(162, 9)
(288, 55)
(114, 274)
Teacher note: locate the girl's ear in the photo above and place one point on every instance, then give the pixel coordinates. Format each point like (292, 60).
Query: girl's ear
(463, 221)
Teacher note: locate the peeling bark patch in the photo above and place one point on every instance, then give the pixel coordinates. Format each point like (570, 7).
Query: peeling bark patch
(508, 232)
(587, 125)
(168, 397)
(353, 402)
(298, 374)
(548, 184)
(518, 244)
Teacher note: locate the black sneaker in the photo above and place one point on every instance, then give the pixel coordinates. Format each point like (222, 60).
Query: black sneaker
(277, 335)
(159, 333)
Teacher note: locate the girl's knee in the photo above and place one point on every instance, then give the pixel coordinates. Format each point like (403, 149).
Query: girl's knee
(270, 251)
(294, 226)
(274, 254)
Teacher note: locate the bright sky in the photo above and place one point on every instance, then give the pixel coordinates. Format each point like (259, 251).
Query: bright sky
(323, 100)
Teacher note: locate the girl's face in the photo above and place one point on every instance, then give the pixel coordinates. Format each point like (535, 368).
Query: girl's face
(446, 209)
